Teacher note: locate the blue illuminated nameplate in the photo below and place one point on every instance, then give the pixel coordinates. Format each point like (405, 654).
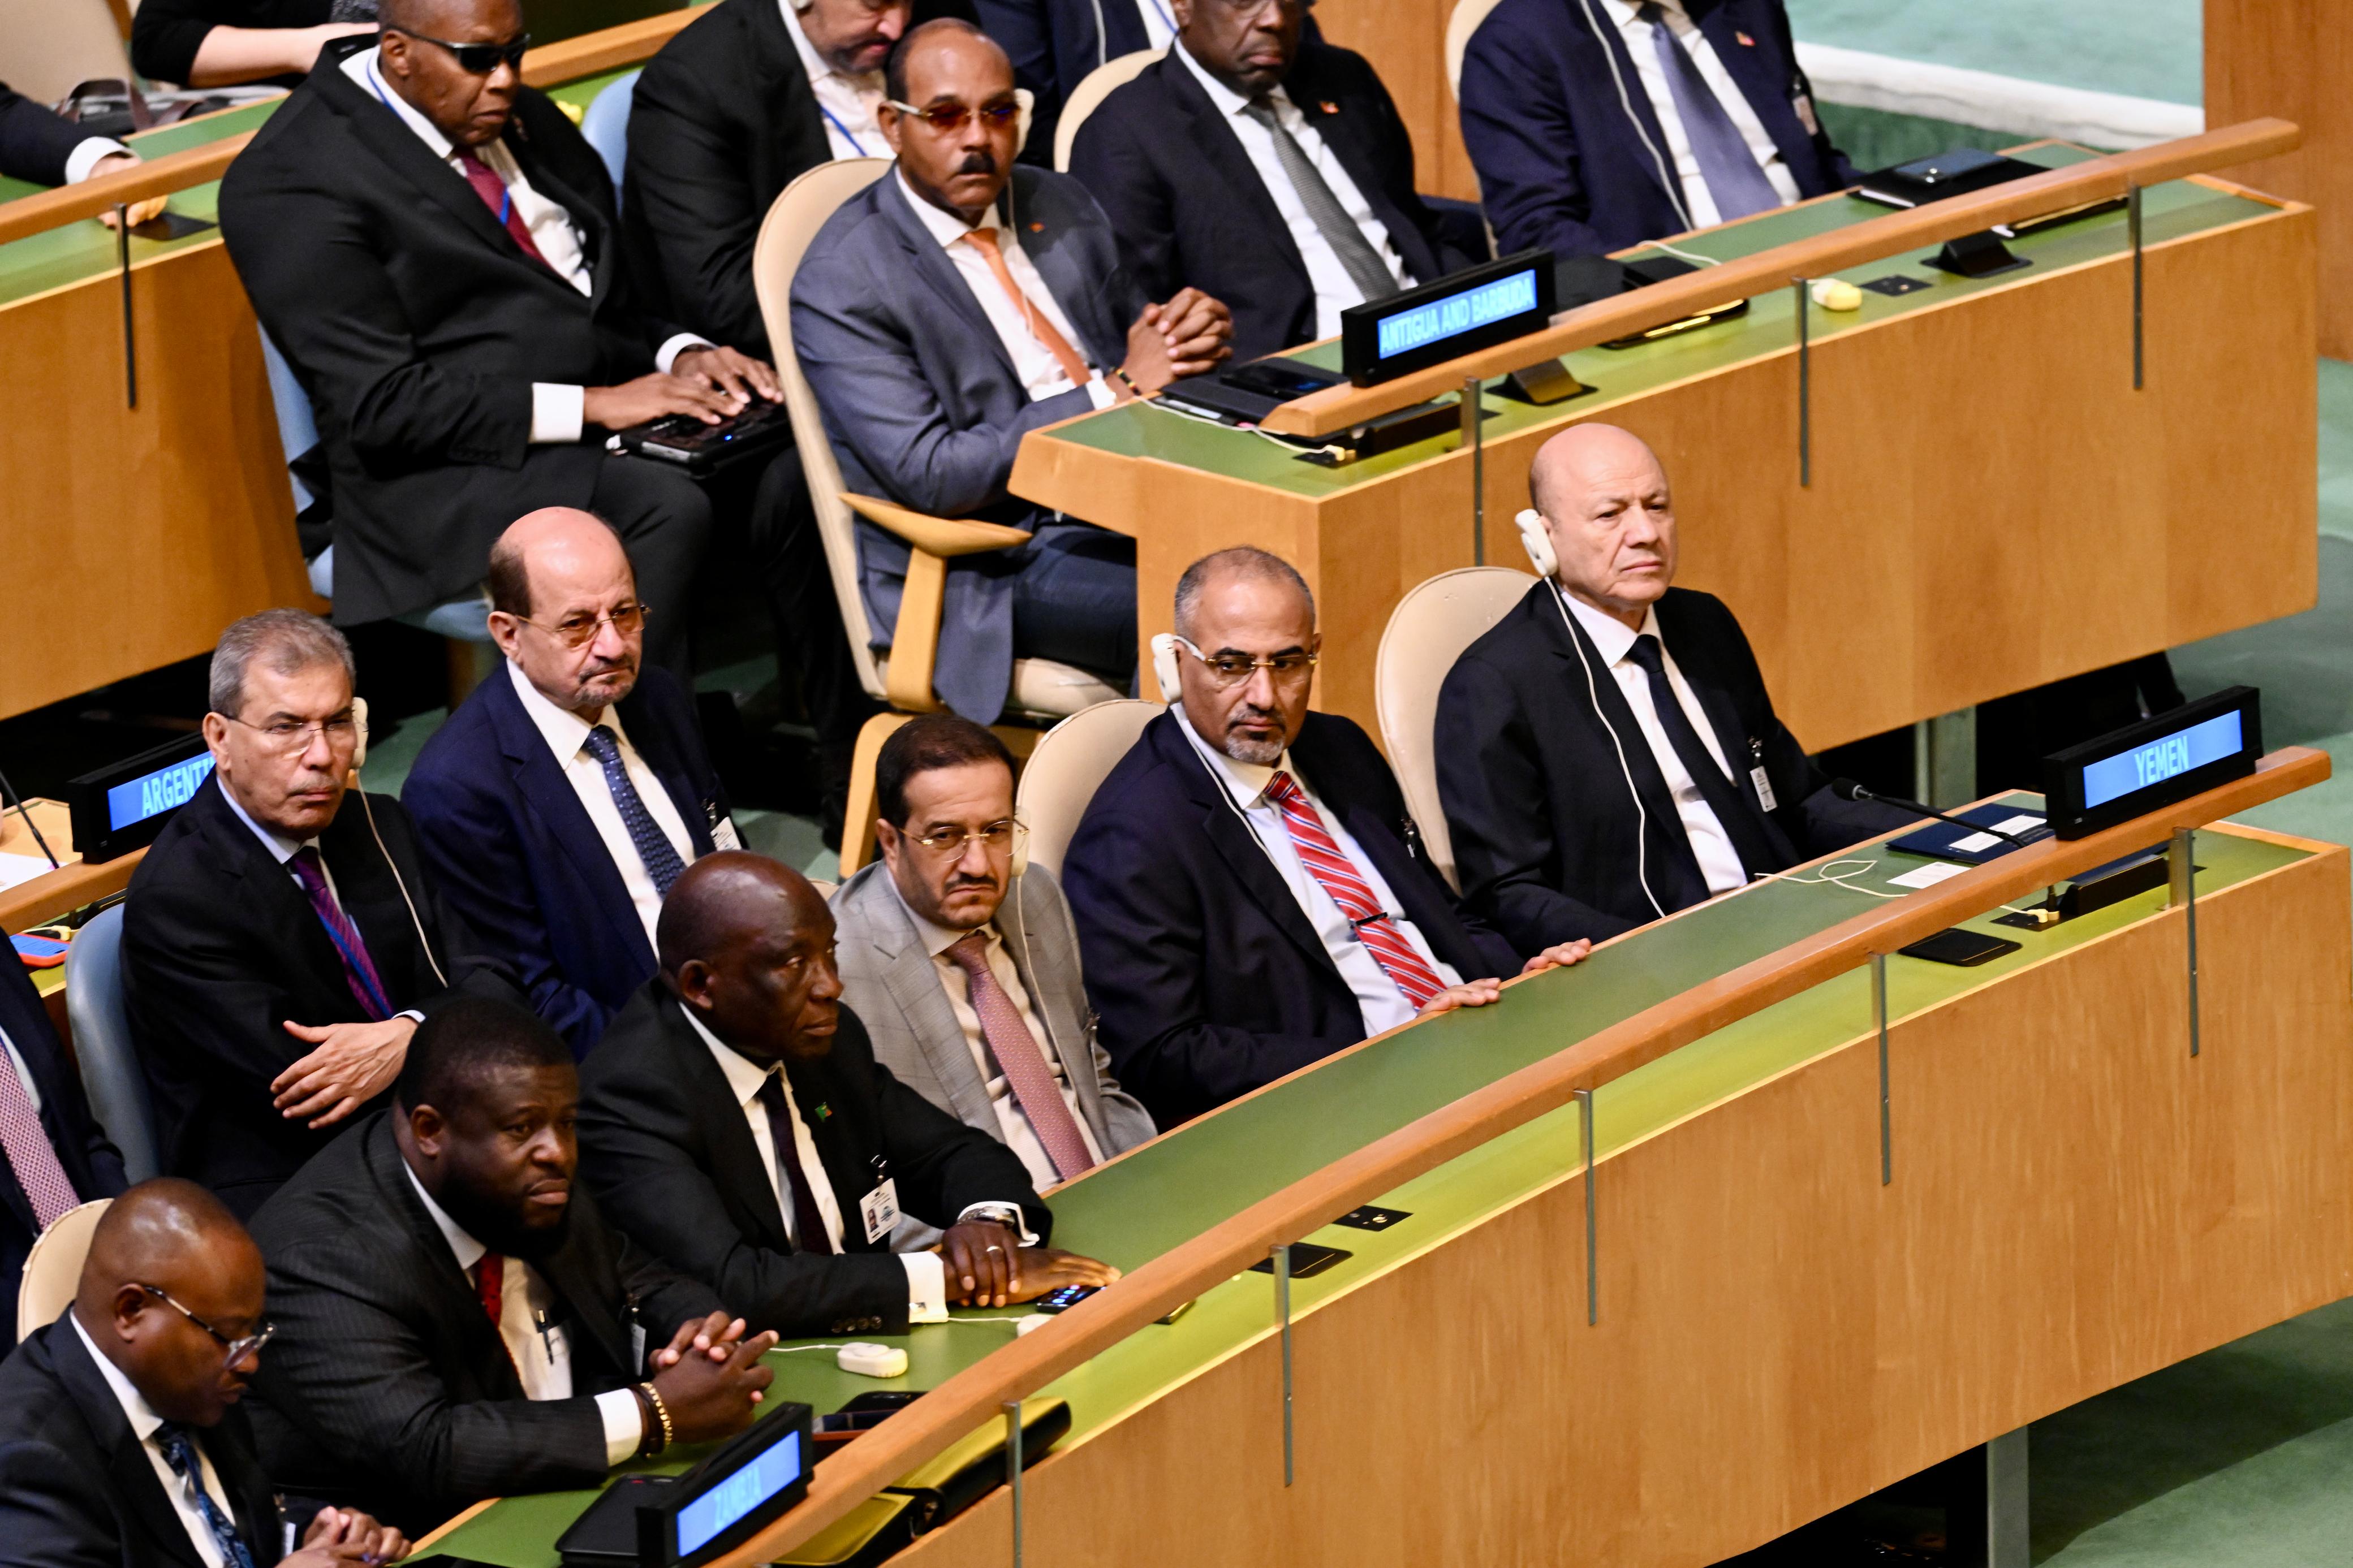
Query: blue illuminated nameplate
(701, 1520)
(1475, 308)
(156, 793)
(1441, 319)
(2169, 756)
(2153, 763)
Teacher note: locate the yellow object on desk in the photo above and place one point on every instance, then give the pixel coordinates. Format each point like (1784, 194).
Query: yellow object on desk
(1836, 294)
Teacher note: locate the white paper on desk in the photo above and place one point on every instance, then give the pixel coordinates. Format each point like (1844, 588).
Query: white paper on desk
(16, 868)
(1927, 876)
(2016, 824)
(1976, 841)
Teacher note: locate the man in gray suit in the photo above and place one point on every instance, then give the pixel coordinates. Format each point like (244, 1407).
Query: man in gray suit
(966, 974)
(946, 310)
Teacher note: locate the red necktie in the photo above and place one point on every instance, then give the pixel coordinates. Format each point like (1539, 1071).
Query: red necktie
(1018, 1056)
(27, 1142)
(1325, 861)
(500, 200)
(490, 1281)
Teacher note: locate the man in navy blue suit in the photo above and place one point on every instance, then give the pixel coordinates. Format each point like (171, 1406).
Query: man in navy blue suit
(1249, 893)
(566, 796)
(1597, 124)
(55, 1155)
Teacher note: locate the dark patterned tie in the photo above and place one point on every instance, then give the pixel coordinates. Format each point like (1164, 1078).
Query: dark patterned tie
(1730, 806)
(1726, 162)
(180, 1452)
(808, 1224)
(1367, 270)
(359, 969)
(655, 851)
(1018, 1056)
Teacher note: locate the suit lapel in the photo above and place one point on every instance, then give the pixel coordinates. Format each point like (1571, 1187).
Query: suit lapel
(591, 1309)
(457, 1299)
(938, 273)
(1239, 847)
(913, 984)
(1750, 70)
(1723, 717)
(734, 1157)
(273, 901)
(129, 1471)
(1048, 1002)
(384, 132)
(595, 246)
(1222, 149)
(549, 794)
(652, 742)
(815, 1090)
(1615, 44)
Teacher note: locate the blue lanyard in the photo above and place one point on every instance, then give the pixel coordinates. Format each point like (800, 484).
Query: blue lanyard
(847, 133)
(376, 82)
(1164, 17)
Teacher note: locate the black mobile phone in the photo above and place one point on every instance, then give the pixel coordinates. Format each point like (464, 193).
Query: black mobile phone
(1307, 1259)
(883, 1399)
(1063, 1299)
(1956, 945)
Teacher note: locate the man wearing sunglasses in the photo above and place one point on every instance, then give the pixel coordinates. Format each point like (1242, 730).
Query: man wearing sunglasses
(1250, 893)
(122, 1437)
(952, 307)
(434, 247)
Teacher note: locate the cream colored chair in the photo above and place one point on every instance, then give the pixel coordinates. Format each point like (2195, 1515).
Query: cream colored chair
(48, 48)
(1062, 773)
(1043, 691)
(1087, 96)
(1427, 632)
(53, 1268)
(1460, 23)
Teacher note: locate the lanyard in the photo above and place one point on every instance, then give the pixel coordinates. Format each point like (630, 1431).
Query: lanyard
(376, 82)
(847, 133)
(1168, 20)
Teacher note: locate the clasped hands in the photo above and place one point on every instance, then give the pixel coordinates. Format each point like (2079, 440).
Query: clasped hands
(1484, 993)
(1191, 334)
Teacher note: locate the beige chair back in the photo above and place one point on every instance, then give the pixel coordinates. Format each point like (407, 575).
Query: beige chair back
(785, 236)
(1087, 96)
(1427, 632)
(1070, 761)
(48, 48)
(1461, 24)
(53, 1268)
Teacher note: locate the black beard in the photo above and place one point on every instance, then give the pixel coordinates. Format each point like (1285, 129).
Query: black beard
(502, 1230)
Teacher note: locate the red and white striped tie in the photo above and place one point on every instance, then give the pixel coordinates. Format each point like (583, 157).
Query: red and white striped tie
(1329, 864)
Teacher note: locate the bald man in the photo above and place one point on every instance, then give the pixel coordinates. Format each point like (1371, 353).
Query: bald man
(567, 793)
(736, 1124)
(122, 1444)
(1608, 754)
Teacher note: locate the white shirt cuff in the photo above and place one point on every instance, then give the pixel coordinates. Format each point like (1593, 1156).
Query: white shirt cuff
(666, 355)
(555, 413)
(85, 156)
(625, 1425)
(412, 1014)
(1099, 393)
(1004, 1213)
(927, 1288)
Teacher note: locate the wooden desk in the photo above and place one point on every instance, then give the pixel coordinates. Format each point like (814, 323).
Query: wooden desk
(2075, 1201)
(1992, 505)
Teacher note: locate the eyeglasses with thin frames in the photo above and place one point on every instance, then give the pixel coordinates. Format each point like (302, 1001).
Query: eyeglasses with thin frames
(289, 739)
(580, 631)
(947, 119)
(238, 1348)
(475, 59)
(1292, 667)
(997, 838)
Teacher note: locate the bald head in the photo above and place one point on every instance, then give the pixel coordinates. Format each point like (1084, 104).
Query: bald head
(1604, 499)
(564, 608)
(173, 1238)
(747, 944)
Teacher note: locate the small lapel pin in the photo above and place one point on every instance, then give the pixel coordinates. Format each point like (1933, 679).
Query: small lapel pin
(1037, 228)
(1328, 107)
(1746, 41)
(821, 1111)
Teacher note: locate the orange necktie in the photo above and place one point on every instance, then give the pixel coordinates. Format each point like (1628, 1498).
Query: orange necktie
(985, 241)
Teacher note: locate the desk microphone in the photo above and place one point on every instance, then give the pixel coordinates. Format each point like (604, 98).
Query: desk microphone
(1847, 789)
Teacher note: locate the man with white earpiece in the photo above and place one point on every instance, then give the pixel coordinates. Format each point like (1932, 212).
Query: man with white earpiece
(1249, 892)
(1608, 754)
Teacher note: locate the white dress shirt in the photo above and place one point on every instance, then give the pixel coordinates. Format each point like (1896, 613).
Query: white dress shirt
(1378, 1000)
(845, 103)
(567, 735)
(927, 1291)
(1012, 1122)
(1041, 373)
(1160, 25)
(23, 1069)
(143, 1422)
(1718, 861)
(1699, 203)
(89, 150)
(542, 1358)
(284, 849)
(1334, 290)
(556, 409)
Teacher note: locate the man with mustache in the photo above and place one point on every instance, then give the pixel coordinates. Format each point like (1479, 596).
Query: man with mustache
(455, 1320)
(567, 793)
(1251, 895)
(122, 1437)
(943, 313)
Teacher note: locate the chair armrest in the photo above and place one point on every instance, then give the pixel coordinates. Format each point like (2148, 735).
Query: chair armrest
(939, 536)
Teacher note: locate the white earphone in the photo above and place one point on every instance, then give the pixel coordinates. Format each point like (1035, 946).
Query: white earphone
(1164, 668)
(1537, 540)
(359, 760)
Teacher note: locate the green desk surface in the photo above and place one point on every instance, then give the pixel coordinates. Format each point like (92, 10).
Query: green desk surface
(2170, 211)
(1180, 1186)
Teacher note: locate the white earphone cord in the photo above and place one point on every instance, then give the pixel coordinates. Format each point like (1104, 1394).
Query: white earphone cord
(400, 882)
(1673, 186)
(1593, 694)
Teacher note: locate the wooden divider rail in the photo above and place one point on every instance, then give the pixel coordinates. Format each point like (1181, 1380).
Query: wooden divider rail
(2101, 179)
(591, 54)
(974, 1396)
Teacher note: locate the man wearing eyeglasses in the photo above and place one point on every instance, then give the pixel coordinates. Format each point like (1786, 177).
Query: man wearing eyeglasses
(1250, 893)
(434, 247)
(122, 1437)
(282, 938)
(964, 964)
(946, 310)
(570, 790)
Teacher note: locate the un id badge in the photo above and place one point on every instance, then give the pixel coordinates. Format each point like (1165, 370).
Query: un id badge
(880, 1208)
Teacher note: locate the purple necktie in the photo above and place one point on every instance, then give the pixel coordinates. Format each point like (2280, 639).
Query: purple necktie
(27, 1142)
(359, 970)
(1726, 162)
(1018, 1056)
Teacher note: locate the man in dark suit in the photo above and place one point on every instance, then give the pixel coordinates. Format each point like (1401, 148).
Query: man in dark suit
(945, 311)
(53, 1154)
(566, 794)
(455, 1322)
(1597, 124)
(433, 247)
(1265, 170)
(122, 1444)
(738, 1126)
(280, 940)
(1250, 892)
(1608, 754)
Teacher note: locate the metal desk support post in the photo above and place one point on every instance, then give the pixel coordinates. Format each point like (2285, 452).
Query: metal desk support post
(122, 267)
(1592, 1277)
(1879, 1012)
(1476, 439)
(2185, 893)
(2132, 222)
(1013, 1469)
(1805, 384)
(1282, 1311)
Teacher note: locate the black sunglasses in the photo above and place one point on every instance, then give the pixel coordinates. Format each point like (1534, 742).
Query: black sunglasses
(475, 59)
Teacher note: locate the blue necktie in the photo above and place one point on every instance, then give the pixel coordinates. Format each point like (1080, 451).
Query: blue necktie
(1726, 162)
(659, 855)
(180, 1453)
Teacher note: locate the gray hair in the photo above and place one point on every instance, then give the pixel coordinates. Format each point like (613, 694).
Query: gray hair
(286, 641)
(1247, 562)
